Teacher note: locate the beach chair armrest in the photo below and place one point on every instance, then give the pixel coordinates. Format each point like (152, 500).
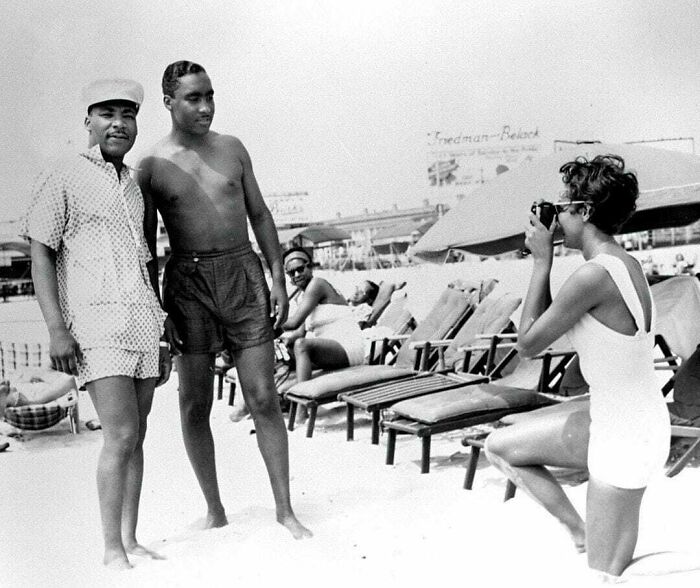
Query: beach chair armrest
(497, 335)
(431, 342)
(552, 353)
(685, 431)
(485, 347)
(389, 338)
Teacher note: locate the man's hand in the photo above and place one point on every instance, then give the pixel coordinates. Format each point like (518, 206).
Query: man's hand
(172, 337)
(165, 365)
(279, 304)
(64, 352)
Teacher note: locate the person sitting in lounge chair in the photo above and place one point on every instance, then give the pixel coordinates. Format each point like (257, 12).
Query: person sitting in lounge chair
(362, 300)
(34, 386)
(333, 339)
(607, 310)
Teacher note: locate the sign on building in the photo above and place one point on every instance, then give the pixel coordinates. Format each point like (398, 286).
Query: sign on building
(459, 162)
(289, 207)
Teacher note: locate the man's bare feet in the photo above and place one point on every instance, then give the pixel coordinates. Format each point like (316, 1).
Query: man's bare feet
(293, 525)
(216, 519)
(239, 413)
(116, 560)
(140, 550)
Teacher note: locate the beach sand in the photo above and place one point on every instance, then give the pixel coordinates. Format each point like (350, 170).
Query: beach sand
(373, 524)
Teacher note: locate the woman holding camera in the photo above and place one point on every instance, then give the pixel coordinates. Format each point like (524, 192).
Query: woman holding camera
(622, 435)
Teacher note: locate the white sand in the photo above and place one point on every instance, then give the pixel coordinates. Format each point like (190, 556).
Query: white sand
(374, 524)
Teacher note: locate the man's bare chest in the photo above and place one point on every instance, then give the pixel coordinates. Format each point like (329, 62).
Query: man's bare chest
(192, 177)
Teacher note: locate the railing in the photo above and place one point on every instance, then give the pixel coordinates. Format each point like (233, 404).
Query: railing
(19, 355)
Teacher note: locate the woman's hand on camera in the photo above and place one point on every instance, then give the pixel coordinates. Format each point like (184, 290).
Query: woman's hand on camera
(539, 239)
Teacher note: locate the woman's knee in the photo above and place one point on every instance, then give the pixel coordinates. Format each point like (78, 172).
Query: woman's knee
(499, 445)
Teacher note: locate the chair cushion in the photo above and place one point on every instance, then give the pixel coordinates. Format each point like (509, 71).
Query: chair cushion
(464, 401)
(330, 384)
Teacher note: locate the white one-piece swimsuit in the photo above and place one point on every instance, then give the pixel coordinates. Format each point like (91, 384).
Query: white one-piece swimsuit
(630, 426)
(337, 322)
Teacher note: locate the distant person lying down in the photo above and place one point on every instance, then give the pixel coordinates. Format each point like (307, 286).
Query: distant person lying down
(33, 386)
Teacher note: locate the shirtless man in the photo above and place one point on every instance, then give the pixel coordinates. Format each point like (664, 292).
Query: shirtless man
(214, 290)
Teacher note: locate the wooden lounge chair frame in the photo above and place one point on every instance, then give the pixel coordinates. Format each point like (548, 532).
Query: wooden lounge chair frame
(475, 369)
(377, 397)
(549, 380)
(421, 362)
(669, 361)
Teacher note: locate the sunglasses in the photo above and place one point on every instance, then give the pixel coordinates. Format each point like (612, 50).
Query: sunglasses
(563, 205)
(293, 271)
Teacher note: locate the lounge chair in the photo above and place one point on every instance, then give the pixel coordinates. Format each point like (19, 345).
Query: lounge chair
(474, 404)
(677, 302)
(382, 302)
(392, 317)
(447, 315)
(28, 361)
(492, 315)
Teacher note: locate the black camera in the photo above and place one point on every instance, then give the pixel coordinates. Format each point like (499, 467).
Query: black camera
(546, 212)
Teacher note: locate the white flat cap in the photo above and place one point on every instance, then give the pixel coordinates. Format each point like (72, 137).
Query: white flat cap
(112, 89)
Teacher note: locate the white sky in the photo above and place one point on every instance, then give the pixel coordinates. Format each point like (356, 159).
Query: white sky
(336, 98)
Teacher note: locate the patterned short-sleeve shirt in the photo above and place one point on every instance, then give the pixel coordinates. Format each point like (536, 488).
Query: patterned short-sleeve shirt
(93, 219)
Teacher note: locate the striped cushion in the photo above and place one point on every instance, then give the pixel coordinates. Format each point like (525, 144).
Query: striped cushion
(464, 401)
(36, 417)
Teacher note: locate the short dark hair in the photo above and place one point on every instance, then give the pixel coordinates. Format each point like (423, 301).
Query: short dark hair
(291, 250)
(603, 181)
(372, 291)
(176, 70)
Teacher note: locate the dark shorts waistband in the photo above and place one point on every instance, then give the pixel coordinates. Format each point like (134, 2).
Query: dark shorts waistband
(235, 251)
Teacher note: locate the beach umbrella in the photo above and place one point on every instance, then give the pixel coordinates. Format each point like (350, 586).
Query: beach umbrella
(492, 218)
(314, 233)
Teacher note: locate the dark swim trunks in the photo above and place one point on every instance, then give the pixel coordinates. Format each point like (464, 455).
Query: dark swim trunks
(218, 300)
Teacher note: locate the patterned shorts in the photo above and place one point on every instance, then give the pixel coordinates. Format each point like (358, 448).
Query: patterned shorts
(103, 362)
(218, 300)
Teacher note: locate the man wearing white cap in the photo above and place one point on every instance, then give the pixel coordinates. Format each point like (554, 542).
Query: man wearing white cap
(89, 266)
(214, 289)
